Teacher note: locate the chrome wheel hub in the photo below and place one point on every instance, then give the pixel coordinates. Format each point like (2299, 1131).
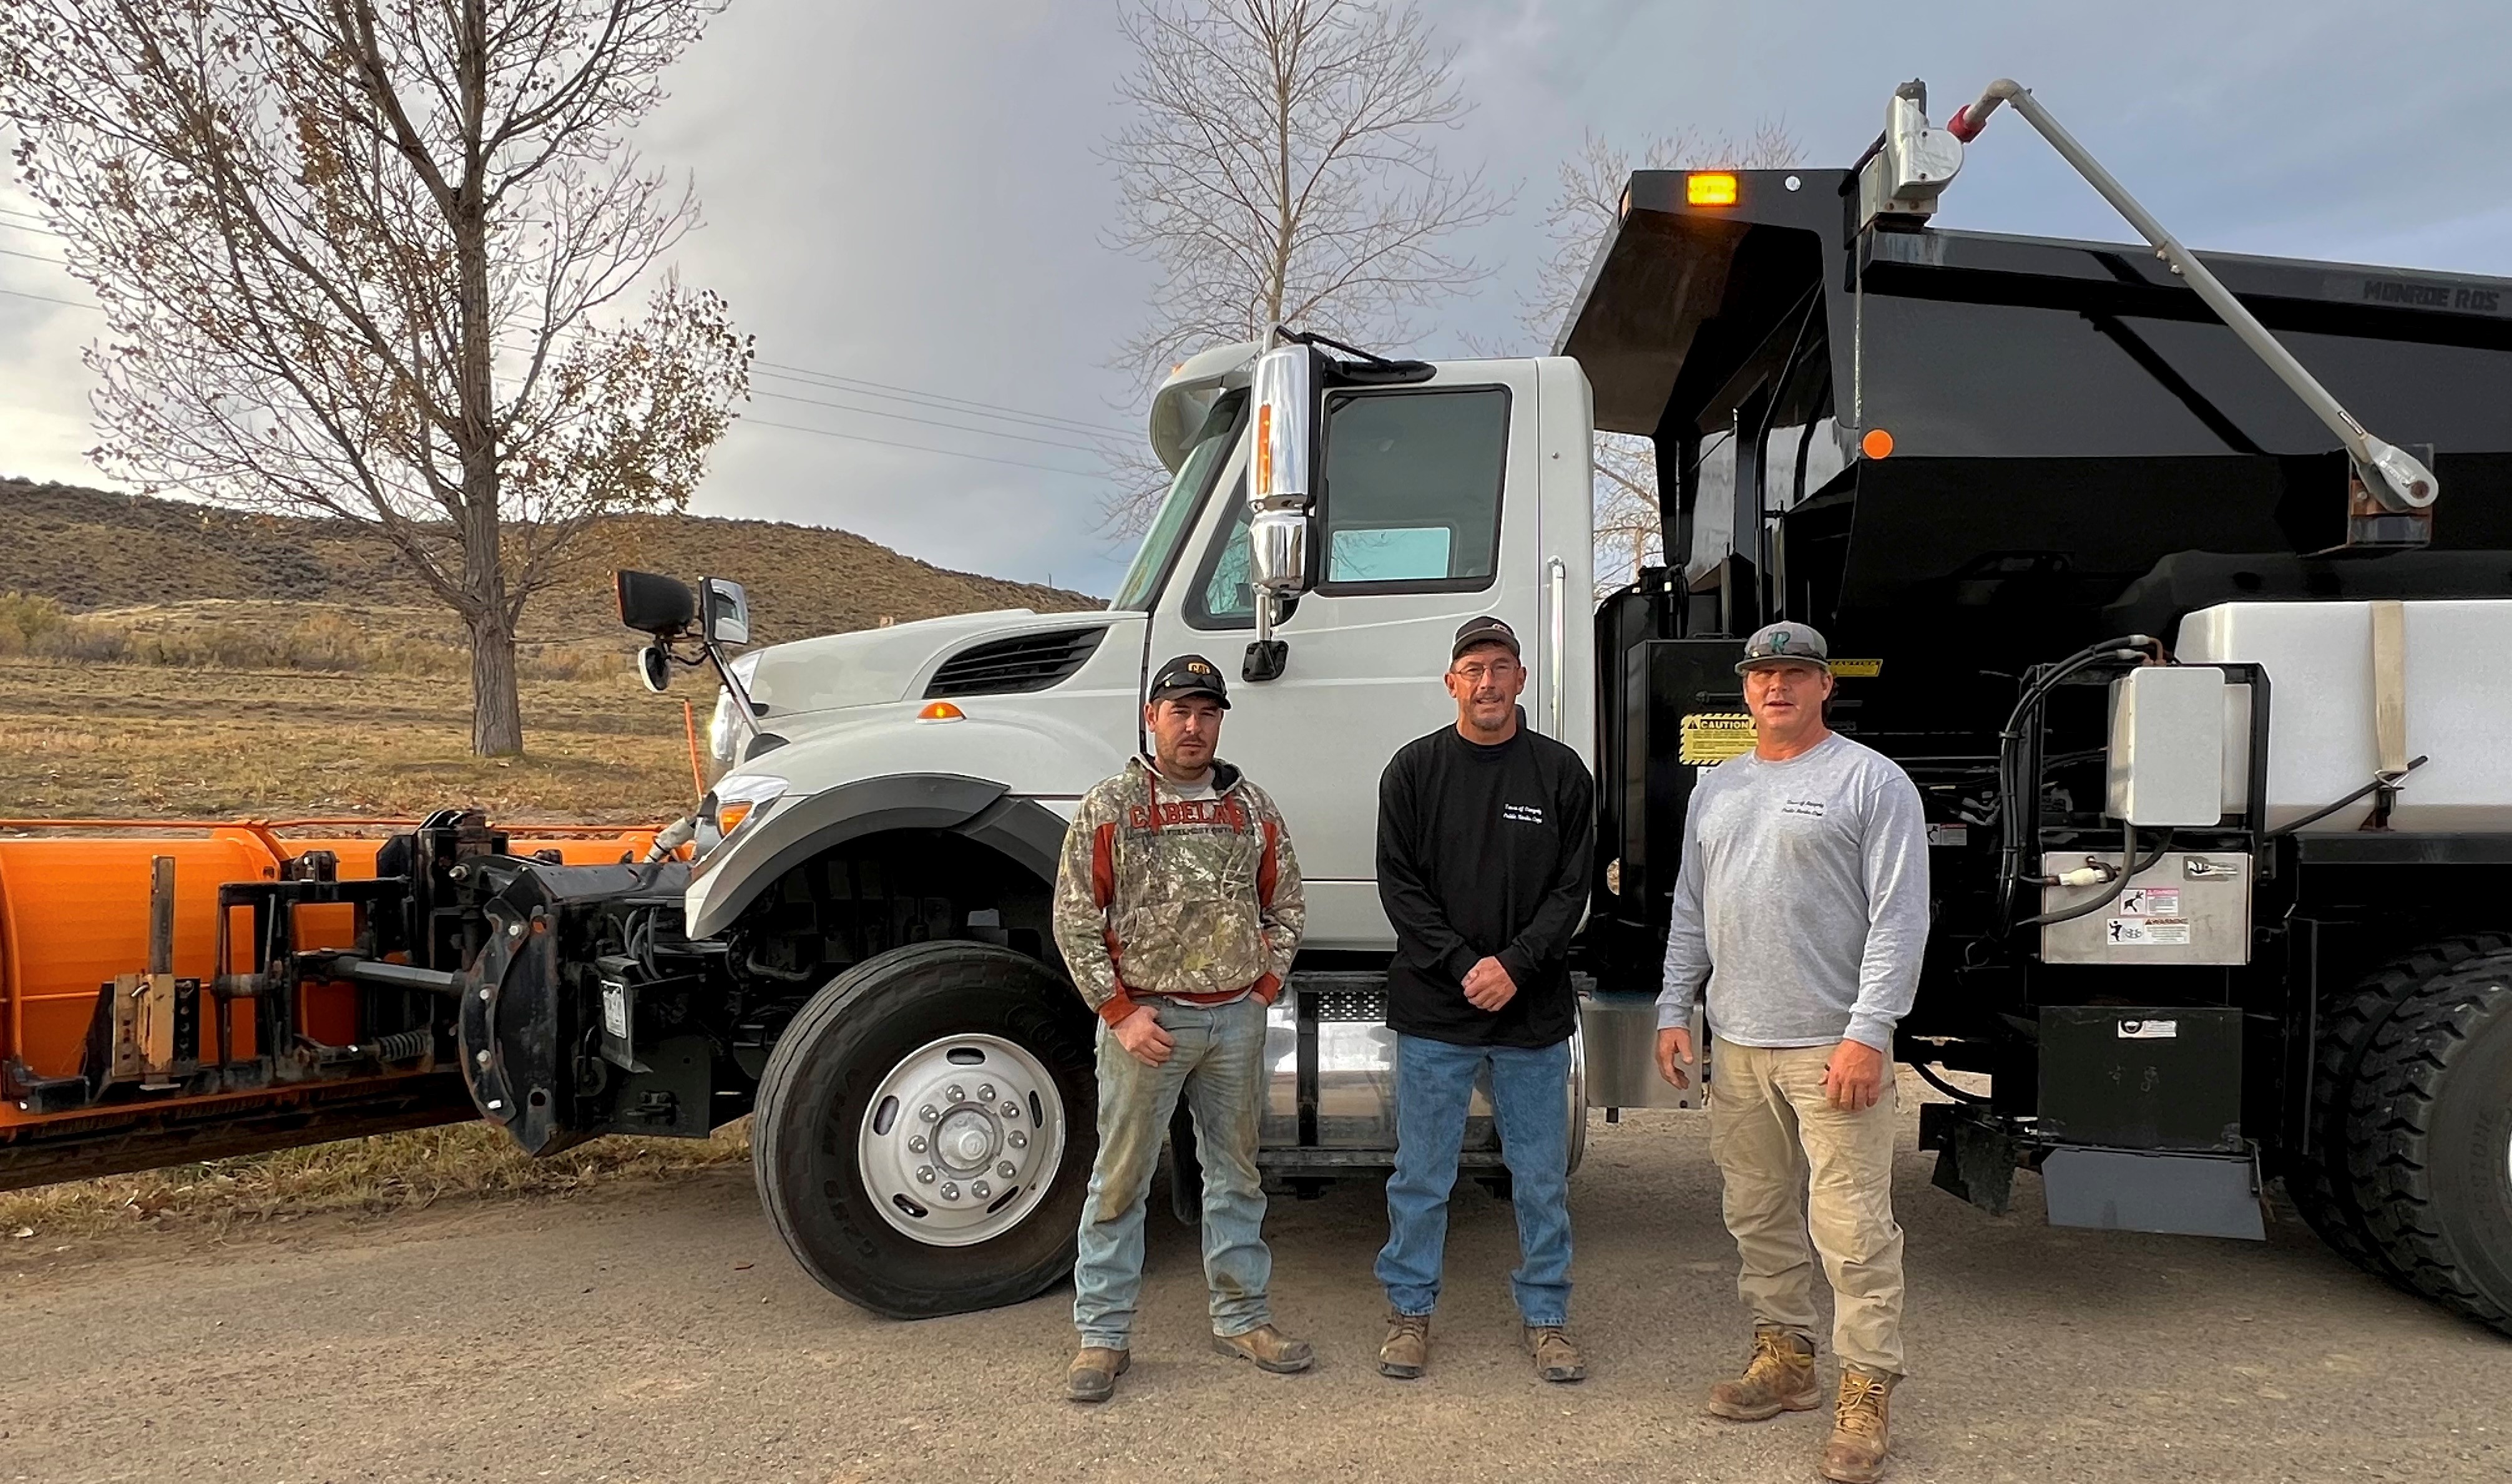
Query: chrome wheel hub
(961, 1140)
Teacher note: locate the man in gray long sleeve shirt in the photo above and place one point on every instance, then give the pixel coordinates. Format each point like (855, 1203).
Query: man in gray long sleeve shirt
(1803, 900)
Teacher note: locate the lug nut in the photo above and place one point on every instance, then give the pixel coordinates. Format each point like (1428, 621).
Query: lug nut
(924, 1174)
(1017, 1138)
(927, 1112)
(956, 1093)
(1011, 1110)
(915, 1145)
(949, 1191)
(980, 1190)
(1006, 1169)
(986, 1094)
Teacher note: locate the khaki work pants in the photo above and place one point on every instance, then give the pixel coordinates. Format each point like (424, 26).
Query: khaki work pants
(1791, 1163)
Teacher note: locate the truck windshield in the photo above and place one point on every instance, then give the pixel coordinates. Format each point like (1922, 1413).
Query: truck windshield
(1169, 527)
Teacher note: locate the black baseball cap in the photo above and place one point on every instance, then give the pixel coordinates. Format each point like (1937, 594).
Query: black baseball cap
(1485, 630)
(1190, 675)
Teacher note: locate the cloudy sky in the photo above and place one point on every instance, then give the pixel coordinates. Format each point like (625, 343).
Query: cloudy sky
(903, 205)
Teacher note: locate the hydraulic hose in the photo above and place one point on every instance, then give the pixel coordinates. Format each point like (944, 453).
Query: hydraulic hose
(2011, 843)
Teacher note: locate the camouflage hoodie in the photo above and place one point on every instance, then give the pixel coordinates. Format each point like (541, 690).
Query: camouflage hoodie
(1196, 900)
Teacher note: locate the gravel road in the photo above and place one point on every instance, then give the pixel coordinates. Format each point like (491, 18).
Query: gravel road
(662, 1334)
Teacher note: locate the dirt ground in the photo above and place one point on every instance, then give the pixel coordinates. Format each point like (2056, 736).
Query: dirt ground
(661, 1333)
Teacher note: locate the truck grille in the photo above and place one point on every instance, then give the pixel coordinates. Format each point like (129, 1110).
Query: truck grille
(1006, 666)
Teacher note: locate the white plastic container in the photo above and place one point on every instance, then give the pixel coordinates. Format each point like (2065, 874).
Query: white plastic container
(2321, 740)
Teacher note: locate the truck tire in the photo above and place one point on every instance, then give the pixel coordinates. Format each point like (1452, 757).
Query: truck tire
(925, 1127)
(2430, 1139)
(2321, 1184)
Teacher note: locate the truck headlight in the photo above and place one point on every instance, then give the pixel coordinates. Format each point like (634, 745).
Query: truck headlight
(740, 797)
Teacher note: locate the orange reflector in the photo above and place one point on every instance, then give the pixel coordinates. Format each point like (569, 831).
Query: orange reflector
(940, 711)
(729, 816)
(1877, 443)
(1710, 188)
(1265, 451)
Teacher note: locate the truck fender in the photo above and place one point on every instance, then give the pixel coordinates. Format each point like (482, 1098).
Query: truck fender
(986, 812)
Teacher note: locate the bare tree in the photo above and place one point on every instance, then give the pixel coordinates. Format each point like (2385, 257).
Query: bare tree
(1586, 208)
(1281, 167)
(365, 258)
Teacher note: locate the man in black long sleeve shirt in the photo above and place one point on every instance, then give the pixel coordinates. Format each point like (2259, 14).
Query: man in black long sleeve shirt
(1484, 832)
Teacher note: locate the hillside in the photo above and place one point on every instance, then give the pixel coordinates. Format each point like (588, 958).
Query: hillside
(89, 550)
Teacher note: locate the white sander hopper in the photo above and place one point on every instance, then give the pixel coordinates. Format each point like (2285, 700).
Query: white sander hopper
(2446, 666)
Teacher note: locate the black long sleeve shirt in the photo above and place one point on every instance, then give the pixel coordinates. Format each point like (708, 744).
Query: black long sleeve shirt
(1483, 853)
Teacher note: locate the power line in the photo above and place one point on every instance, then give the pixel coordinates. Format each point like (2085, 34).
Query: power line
(40, 231)
(986, 458)
(956, 427)
(36, 257)
(892, 392)
(21, 294)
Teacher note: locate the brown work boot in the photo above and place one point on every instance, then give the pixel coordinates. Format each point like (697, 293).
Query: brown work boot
(1270, 1349)
(1406, 1354)
(1860, 1428)
(1092, 1376)
(1556, 1358)
(1779, 1378)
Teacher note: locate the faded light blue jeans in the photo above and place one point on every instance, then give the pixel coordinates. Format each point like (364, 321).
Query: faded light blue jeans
(1218, 1066)
(1435, 1081)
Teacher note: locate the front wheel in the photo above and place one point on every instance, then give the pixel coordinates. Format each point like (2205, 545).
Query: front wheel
(925, 1128)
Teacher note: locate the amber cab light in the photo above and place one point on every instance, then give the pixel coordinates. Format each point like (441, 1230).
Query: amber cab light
(1877, 443)
(1710, 187)
(940, 711)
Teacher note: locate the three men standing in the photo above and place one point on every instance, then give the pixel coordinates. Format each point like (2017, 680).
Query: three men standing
(1178, 909)
(1802, 899)
(1484, 832)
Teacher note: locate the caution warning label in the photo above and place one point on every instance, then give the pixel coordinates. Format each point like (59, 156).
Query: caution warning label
(1714, 736)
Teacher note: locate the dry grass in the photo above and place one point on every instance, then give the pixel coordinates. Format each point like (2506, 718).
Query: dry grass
(148, 741)
(373, 1176)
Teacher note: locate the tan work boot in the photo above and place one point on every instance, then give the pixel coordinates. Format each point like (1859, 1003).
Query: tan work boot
(1406, 1354)
(1092, 1376)
(1860, 1428)
(1779, 1378)
(1270, 1349)
(1556, 1358)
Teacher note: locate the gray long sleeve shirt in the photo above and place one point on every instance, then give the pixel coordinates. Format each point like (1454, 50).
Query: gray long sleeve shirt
(1802, 899)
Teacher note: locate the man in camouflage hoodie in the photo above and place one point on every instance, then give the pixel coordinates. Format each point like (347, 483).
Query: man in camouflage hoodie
(1178, 910)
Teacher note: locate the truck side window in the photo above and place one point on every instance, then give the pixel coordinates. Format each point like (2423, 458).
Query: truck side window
(1221, 598)
(1412, 489)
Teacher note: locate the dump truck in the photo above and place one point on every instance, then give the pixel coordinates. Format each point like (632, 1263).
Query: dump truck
(2180, 584)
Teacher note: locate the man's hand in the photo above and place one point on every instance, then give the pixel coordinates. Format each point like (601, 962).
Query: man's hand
(1674, 1053)
(1141, 1035)
(1488, 986)
(1855, 1079)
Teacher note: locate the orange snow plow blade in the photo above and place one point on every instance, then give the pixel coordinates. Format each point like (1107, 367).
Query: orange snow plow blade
(143, 1024)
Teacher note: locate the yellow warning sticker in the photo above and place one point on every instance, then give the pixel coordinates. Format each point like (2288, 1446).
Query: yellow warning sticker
(1711, 737)
(1858, 669)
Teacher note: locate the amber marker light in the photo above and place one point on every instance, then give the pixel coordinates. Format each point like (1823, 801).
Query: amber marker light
(1877, 443)
(729, 816)
(1265, 449)
(1710, 187)
(941, 711)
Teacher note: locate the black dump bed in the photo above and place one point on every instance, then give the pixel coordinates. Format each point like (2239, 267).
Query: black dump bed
(2072, 430)
(2079, 448)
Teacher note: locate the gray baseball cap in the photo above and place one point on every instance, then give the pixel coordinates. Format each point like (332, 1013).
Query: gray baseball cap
(1786, 644)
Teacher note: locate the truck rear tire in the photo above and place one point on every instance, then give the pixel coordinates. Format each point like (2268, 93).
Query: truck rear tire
(2430, 1138)
(925, 1127)
(2320, 1185)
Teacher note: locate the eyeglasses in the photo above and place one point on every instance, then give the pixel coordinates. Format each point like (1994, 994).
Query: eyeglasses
(1476, 675)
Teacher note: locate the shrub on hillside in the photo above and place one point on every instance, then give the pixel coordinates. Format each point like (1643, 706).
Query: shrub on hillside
(24, 619)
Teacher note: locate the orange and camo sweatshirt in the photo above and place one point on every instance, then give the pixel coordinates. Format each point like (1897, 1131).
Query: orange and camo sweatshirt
(1189, 899)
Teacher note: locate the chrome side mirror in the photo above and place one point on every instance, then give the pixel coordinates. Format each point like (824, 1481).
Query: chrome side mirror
(1279, 486)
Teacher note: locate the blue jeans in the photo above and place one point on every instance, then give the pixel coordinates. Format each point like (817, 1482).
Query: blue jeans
(1531, 1099)
(1218, 1065)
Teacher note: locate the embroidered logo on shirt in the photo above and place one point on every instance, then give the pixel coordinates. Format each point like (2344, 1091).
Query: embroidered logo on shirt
(1521, 813)
(1812, 808)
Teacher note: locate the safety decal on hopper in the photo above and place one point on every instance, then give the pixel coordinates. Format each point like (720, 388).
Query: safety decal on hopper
(1856, 669)
(2149, 932)
(1714, 736)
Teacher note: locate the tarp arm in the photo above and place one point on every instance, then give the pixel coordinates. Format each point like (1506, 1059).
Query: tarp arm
(2395, 478)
